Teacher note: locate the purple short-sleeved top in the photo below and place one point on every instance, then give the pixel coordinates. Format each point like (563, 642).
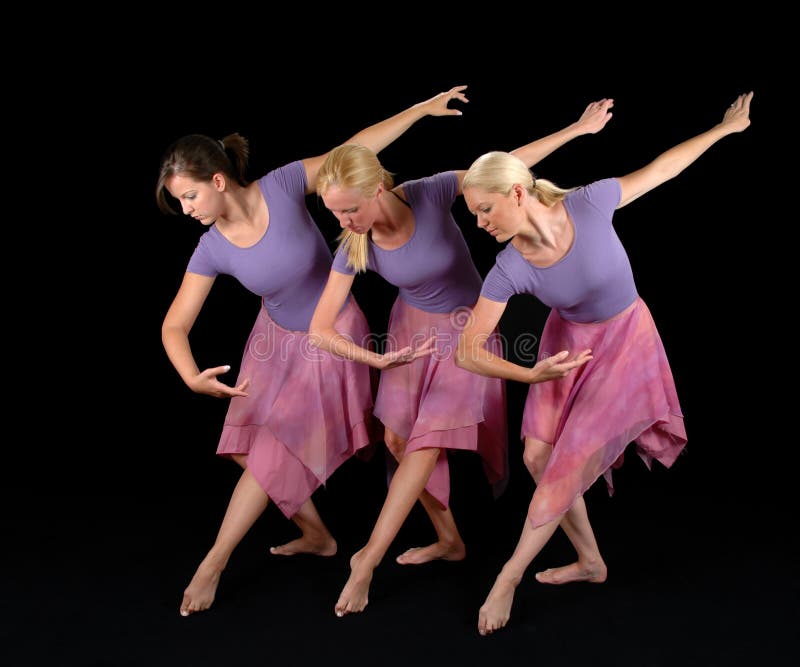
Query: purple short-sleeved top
(593, 281)
(433, 270)
(288, 266)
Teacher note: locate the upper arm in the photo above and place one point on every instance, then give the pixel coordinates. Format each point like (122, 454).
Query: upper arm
(312, 166)
(637, 183)
(331, 300)
(486, 316)
(188, 301)
(460, 173)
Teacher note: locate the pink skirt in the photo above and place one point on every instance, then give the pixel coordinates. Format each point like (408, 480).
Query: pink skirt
(307, 411)
(625, 394)
(431, 402)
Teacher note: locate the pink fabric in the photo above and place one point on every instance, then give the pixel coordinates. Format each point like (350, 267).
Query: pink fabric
(307, 411)
(625, 394)
(431, 402)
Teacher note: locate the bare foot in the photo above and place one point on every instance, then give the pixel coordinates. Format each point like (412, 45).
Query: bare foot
(318, 546)
(355, 594)
(496, 610)
(200, 592)
(435, 551)
(595, 573)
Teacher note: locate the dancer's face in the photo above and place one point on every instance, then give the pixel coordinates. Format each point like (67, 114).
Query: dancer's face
(202, 200)
(353, 210)
(498, 214)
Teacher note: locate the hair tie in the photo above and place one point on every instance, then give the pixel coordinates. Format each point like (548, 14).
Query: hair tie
(221, 144)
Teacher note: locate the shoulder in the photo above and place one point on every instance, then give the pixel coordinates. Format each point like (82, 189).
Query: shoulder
(290, 177)
(442, 186)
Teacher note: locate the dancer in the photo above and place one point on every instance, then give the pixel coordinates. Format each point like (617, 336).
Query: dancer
(564, 250)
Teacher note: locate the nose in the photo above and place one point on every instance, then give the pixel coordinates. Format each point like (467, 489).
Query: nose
(186, 207)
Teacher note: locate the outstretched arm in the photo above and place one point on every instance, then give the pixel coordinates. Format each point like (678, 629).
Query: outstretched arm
(322, 331)
(378, 136)
(473, 355)
(593, 119)
(672, 162)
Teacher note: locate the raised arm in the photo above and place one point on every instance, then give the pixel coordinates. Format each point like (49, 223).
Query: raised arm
(175, 330)
(473, 355)
(322, 331)
(592, 120)
(378, 136)
(673, 161)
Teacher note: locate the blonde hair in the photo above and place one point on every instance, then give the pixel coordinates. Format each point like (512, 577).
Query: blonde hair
(498, 171)
(353, 167)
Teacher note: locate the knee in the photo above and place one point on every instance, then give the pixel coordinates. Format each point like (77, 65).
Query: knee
(241, 459)
(536, 455)
(395, 444)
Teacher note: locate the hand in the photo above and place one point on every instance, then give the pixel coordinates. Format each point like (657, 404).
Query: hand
(407, 354)
(595, 116)
(737, 115)
(437, 105)
(557, 366)
(207, 383)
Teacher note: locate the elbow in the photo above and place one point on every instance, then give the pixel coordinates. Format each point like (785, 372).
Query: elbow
(463, 359)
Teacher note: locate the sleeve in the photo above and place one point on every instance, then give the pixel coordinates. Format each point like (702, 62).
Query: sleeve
(441, 188)
(604, 195)
(498, 286)
(290, 178)
(201, 261)
(340, 263)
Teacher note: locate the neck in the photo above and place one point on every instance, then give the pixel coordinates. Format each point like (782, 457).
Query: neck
(542, 227)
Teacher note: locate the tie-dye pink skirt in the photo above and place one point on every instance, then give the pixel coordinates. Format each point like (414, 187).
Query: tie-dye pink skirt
(431, 402)
(307, 411)
(625, 394)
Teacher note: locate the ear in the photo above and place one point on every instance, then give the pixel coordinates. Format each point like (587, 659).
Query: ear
(518, 193)
(381, 189)
(218, 181)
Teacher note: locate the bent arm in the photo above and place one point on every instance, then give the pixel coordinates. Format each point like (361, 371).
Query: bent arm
(178, 323)
(378, 136)
(472, 352)
(593, 119)
(322, 331)
(475, 357)
(673, 161)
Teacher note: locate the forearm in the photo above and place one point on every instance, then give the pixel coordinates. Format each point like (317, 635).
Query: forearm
(536, 151)
(474, 357)
(340, 345)
(379, 136)
(179, 352)
(673, 161)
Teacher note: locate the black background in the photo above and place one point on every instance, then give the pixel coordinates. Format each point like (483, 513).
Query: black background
(116, 494)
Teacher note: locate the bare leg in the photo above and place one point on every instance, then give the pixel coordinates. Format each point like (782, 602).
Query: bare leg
(246, 504)
(589, 566)
(316, 538)
(449, 545)
(410, 478)
(496, 610)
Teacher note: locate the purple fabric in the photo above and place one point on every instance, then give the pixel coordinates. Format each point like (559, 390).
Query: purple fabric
(307, 411)
(433, 269)
(593, 281)
(289, 266)
(625, 394)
